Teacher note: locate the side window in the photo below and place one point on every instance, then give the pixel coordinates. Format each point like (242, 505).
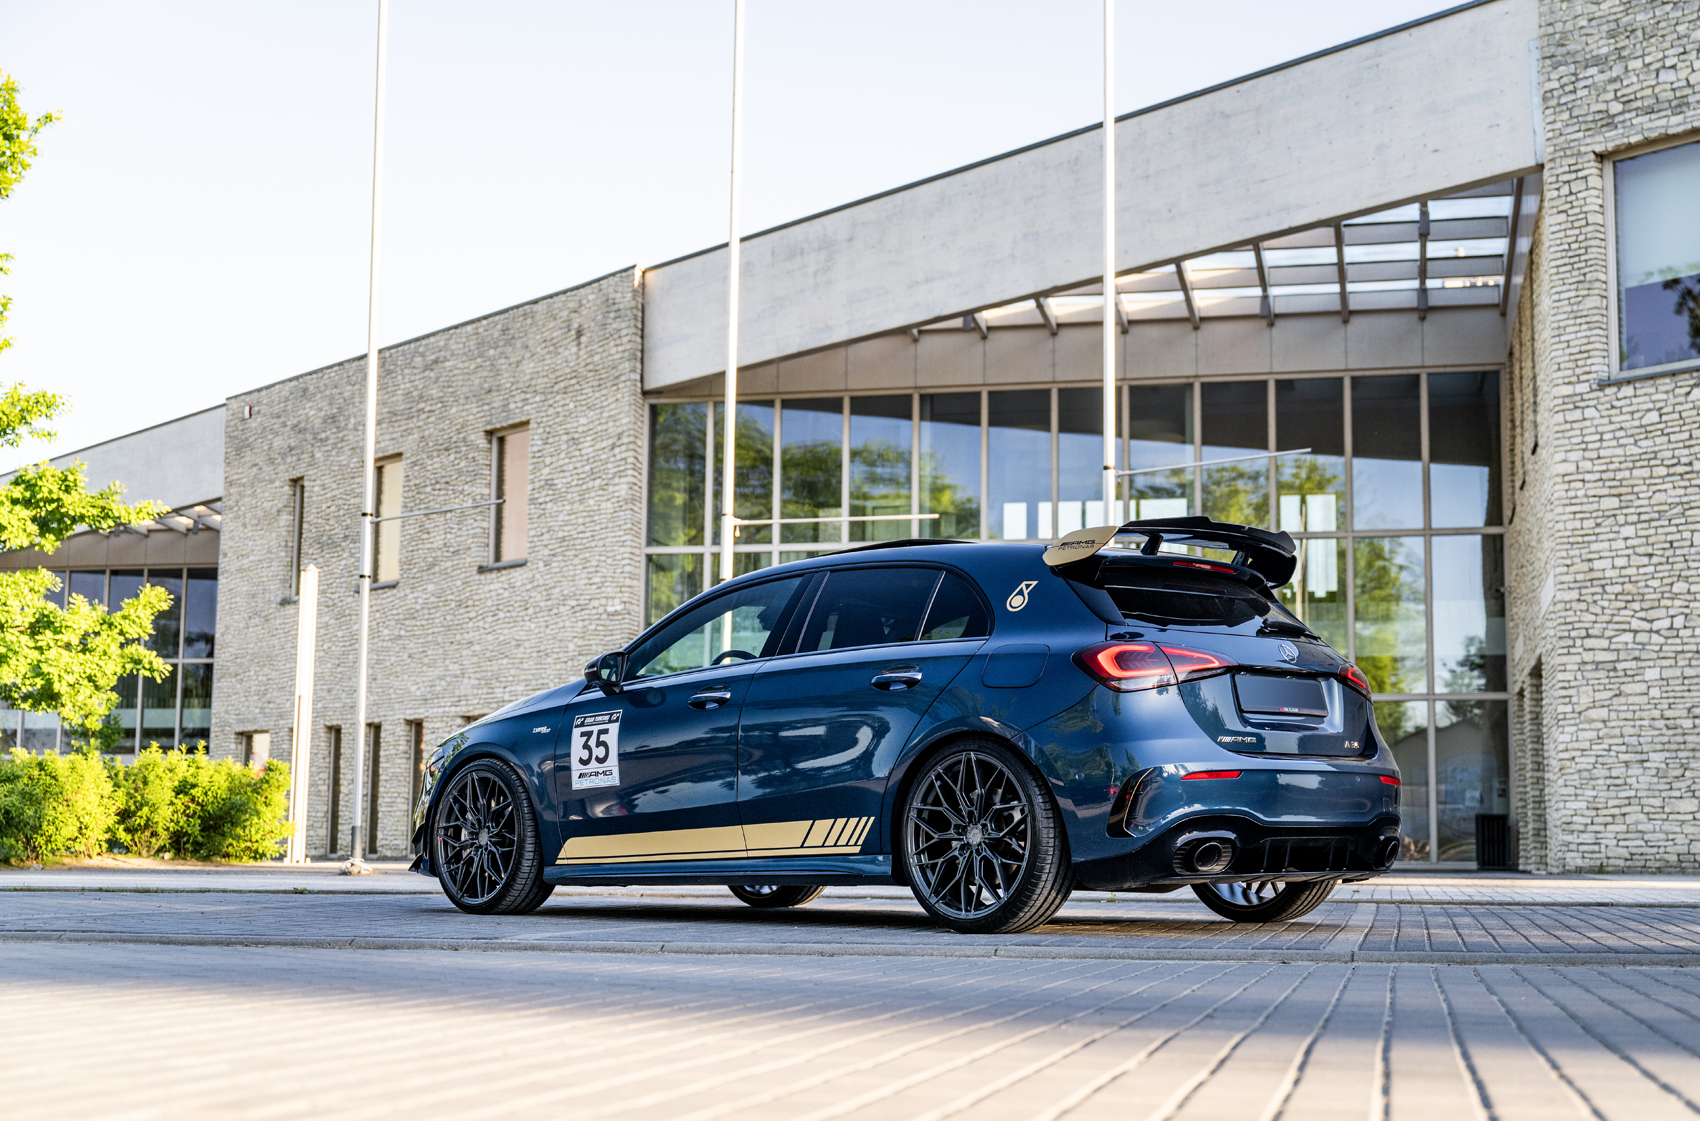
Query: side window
(868, 607)
(730, 628)
(957, 612)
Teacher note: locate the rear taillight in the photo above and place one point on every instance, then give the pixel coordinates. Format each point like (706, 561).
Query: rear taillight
(1354, 677)
(1131, 666)
(1127, 666)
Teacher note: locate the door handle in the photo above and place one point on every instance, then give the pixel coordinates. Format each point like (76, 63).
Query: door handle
(711, 698)
(898, 678)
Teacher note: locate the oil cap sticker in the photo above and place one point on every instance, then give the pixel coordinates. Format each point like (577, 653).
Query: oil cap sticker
(596, 750)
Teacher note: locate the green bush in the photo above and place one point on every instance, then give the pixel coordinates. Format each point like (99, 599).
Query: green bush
(54, 805)
(178, 803)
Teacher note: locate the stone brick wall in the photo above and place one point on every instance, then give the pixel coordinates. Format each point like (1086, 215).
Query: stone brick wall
(448, 642)
(1605, 635)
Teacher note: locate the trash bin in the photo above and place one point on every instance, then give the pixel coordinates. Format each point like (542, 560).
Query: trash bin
(1493, 842)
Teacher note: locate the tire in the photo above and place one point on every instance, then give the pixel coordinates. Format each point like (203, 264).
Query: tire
(766, 896)
(982, 841)
(484, 842)
(1264, 900)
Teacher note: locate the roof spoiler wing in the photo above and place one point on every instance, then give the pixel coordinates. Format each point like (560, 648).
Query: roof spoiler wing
(1270, 555)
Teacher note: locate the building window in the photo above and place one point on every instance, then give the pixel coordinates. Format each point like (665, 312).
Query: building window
(297, 520)
(416, 740)
(333, 801)
(174, 711)
(374, 771)
(1395, 508)
(386, 543)
(255, 747)
(1657, 230)
(512, 475)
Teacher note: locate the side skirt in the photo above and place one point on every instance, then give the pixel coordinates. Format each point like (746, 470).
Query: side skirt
(781, 870)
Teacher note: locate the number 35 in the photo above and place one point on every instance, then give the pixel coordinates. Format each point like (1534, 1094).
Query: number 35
(593, 746)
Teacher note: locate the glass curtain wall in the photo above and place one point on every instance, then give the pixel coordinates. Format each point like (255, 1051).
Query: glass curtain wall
(177, 709)
(1392, 497)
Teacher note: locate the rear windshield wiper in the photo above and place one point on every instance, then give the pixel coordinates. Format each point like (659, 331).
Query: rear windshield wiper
(1272, 623)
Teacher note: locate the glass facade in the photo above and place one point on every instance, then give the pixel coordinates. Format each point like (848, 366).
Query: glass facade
(174, 710)
(1393, 500)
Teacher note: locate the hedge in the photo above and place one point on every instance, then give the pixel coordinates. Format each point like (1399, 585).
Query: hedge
(178, 803)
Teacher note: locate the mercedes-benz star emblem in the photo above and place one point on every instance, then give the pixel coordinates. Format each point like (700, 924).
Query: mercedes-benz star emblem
(1289, 652)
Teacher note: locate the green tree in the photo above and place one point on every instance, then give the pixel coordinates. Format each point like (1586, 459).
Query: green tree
(58, 659)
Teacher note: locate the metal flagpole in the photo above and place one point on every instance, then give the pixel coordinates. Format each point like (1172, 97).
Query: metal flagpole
(1110, 262)
(729, 437)
(357, 831)
(306, 636)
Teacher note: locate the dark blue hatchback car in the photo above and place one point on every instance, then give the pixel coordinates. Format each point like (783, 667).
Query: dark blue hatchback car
(992, 725)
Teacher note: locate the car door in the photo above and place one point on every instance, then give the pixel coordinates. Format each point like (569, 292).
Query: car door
(823, 723)
(650, 774)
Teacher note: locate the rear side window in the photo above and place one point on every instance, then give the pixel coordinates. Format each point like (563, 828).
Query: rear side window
(868, 607)
(1194, 599)
(957, 612)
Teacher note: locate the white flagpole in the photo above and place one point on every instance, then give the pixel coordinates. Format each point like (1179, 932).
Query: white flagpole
(1110, 263)
(729, 437)
(368, 472)
(306, 635)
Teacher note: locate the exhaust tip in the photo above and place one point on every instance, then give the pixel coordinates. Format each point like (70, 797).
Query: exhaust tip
(1204, 857)
(1386, 853)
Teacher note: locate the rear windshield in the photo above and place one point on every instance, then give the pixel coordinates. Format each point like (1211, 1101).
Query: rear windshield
(1173, 598)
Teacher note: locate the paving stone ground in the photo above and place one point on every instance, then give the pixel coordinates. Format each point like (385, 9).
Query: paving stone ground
(168, 995)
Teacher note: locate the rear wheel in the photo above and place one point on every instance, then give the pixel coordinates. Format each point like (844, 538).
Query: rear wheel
(1264, 900)
(765, 896)
(484, 842)
(983, 843)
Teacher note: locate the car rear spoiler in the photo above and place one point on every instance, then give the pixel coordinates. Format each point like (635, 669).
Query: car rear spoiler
(1271, 555)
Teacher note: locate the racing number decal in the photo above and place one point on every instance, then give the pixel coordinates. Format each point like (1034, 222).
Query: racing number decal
(596, 750)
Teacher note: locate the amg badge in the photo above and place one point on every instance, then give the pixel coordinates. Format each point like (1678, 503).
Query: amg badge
(596, 750)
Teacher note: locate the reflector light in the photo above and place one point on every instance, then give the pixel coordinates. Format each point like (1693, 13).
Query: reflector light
(1189, 663)
(1354, 677)
(1390, 780)
(1211, 774)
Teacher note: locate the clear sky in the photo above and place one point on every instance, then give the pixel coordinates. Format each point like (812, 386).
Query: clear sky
(197, 225)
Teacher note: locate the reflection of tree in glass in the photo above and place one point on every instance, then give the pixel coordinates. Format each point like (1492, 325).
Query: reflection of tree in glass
(1305, 476)
(1467, 676)
(958, 508)
(754, 475)
(1385, 583)
(676, 454)
(879, 484)
(810, 482)
(1237, 493)
(1395, 720)
(1687, 289)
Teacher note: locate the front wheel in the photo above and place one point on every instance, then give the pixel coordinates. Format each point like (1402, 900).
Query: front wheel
(484, 842)
(765, 896)
(1264, 900)
(983, 843)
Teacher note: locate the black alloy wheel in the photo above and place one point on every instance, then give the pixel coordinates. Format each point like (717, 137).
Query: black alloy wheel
(983, 844)
(765, 896)
(1264, 900)
(484, 843)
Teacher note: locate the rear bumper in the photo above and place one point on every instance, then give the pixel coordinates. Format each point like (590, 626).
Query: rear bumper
(1258, 851)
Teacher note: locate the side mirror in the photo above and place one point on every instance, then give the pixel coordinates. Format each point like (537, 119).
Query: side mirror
(606, 672)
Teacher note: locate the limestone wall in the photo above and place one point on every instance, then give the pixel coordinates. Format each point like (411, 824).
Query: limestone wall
(449, 642)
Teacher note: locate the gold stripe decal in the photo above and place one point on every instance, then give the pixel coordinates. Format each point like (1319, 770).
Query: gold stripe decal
(841, 836)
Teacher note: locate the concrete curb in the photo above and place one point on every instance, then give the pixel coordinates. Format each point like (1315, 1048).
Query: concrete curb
(865, 949)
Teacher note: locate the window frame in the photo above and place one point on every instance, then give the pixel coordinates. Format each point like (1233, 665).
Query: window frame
(494, 557)
(1615, 374)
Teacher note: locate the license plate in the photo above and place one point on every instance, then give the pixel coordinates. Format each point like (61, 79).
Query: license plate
(1268, 695)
